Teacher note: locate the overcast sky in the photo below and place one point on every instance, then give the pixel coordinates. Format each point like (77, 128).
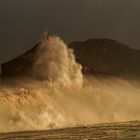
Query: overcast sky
(23, 21)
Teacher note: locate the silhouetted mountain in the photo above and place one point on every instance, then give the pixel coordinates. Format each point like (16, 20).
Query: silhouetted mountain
(108, 56)
(98, 56)
(21, 65)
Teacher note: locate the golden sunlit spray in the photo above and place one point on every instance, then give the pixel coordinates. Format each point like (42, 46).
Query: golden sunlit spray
(58, 95)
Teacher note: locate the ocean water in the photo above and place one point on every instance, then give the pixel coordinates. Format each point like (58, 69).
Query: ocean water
(110, 131)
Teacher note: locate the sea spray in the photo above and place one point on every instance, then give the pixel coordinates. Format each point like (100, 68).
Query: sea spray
(58, 95)
(56, 63)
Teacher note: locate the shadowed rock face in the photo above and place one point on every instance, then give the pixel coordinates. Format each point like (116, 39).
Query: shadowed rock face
(98, 56)
(108, 56)
(20, 66)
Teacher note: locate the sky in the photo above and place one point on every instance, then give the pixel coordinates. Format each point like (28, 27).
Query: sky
(22, 22)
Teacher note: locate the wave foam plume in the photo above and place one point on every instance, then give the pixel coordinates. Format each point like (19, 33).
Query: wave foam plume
(59, 95)
(56, 63)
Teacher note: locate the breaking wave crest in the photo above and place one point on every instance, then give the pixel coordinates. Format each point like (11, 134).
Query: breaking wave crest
(59, 95)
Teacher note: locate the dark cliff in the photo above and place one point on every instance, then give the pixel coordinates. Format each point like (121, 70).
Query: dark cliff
(19, 66)
(108, 56)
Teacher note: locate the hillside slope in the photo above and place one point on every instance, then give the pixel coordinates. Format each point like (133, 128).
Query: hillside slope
(108, 56)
